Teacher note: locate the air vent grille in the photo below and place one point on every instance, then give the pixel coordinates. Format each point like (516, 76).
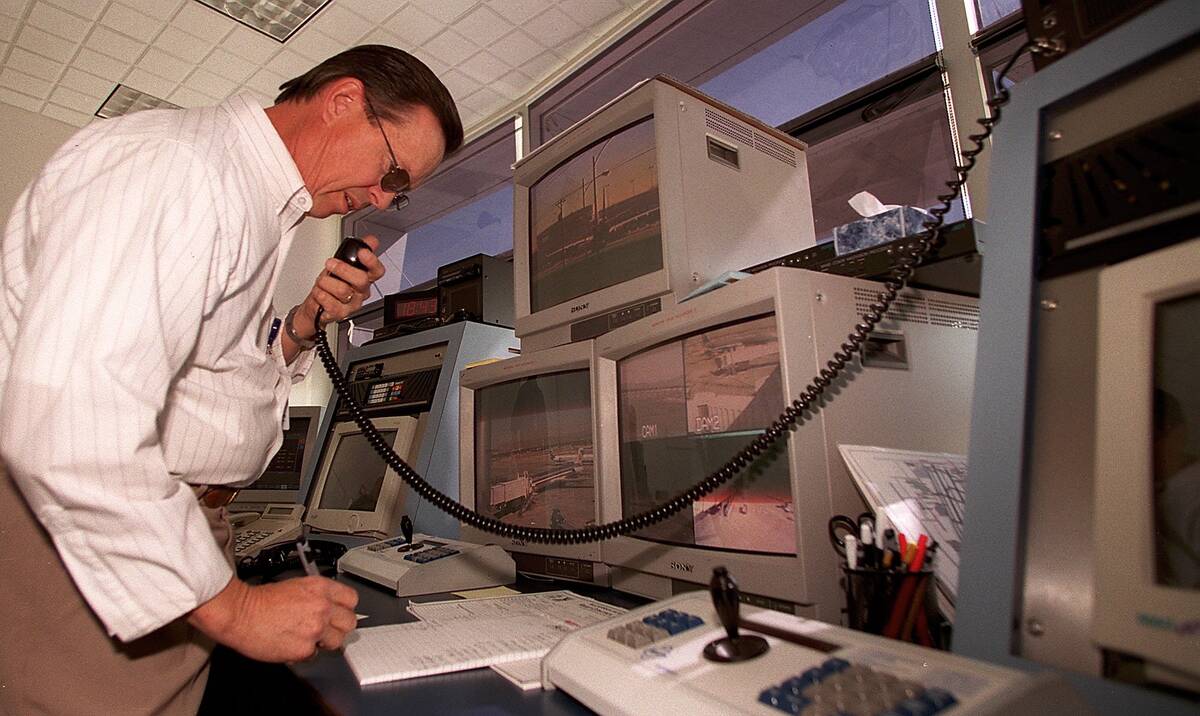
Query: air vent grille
(749, 137)
(912, 308)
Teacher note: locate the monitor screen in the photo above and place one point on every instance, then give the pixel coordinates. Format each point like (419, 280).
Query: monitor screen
(594, 219)
(686, 407)
(1177, 444)
(355, 476)
(534, 461)
(285, 470)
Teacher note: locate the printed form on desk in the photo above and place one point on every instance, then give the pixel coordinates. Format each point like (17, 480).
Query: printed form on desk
(458, 635)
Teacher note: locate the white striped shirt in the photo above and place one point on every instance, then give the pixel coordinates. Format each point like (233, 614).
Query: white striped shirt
(138, 269)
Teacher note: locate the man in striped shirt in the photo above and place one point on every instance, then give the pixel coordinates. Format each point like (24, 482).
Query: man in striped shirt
(139, 370)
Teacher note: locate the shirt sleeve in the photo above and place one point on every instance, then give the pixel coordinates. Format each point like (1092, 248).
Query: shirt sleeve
(124, 260)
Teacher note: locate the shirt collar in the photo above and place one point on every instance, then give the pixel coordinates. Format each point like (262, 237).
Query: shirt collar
(285, 186)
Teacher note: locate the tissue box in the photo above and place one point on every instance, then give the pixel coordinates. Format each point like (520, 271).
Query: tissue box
(879, 229)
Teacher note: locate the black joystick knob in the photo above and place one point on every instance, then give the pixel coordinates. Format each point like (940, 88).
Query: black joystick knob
(733, 646)
(348, 251)
(406, 529)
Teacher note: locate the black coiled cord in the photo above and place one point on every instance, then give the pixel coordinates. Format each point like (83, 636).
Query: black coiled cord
(790, 418)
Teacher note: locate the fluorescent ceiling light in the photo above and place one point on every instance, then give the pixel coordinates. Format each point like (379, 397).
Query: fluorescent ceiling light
(277, 18)
(127, 100)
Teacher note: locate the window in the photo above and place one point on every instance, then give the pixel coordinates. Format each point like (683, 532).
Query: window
(989, 12)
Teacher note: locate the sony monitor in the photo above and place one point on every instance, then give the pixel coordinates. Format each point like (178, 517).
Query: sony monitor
(1147, 469)
(280, 482)
(527, 441)
(656, 194)
(696, 383)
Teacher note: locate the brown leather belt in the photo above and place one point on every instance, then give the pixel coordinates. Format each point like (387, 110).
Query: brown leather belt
(214, 496)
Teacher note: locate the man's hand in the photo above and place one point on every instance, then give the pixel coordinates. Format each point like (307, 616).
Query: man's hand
(284, 621)
(339, 291)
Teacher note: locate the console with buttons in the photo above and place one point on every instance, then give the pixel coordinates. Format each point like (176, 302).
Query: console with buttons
(663, 653)
(419, 564)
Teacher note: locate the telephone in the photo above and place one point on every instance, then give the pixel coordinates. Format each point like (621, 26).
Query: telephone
(278, 523)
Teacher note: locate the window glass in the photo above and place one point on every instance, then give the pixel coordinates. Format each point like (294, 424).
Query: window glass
(847, 48)
(990, 11)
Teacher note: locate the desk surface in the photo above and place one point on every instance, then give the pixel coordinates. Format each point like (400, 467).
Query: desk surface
(326, 685)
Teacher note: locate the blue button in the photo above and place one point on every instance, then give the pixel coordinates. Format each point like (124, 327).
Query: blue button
(940, 699)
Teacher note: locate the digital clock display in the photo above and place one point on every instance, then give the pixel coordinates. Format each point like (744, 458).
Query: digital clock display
(417, 307)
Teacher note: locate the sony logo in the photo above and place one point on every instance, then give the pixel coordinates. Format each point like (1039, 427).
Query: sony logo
(682, 566)
(580, 307)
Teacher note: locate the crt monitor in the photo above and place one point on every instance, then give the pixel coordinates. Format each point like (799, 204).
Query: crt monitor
(280, 482)
(650, 197)
(527, 441)
(696, 383)
(1148, 463)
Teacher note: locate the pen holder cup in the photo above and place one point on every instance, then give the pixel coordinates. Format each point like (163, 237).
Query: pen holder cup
(899, 605)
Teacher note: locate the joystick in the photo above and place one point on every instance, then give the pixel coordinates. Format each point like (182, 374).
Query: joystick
(733, 646)
(406, 529)
(348, 251)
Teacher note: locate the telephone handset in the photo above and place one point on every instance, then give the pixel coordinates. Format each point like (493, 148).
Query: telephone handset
(790, 419)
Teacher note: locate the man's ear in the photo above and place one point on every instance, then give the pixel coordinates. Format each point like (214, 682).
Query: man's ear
(342, 98)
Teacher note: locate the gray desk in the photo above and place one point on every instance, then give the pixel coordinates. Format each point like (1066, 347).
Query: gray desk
(326, 685)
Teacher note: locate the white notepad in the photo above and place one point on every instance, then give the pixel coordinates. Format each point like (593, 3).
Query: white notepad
(402, 651)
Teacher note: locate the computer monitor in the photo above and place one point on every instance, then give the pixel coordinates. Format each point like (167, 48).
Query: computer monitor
(645, 200)
(280, 482)
(696, 383)
(527, 441)
(1147, 468)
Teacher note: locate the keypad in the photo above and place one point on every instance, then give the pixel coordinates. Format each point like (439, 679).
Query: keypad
(654, 627)
(840, 688)
(248, 538)
(429, 555)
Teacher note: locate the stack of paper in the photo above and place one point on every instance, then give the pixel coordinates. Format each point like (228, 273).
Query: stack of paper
(470, 634)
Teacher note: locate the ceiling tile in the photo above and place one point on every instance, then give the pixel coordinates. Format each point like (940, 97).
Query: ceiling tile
(413, 25)
(517, 11)
(183, 45)
(17, 99)
(445, 10)
(161, 9)
(340, 24)
(374, 10)
(157, 62)
(101, 65)
(8, 27)
(86, 82)
(128, 21)
(590, 13)
(58, 22)
(114, 44)
(254, 46)
(314, 44)
(482, 26)
(450, 47)
(69, 116)
(188, 97)
(90, 9)
(229, 66)
(542, 66)
(484, 67)
(212, 85)
(381, 36)
(43, 43)
(266, 82)
(24, 83)
(204, 22)
(459, 84)
(552, 28)
(513, 85)
(289, 64)
(142, 80)
(77, 101)
(484, 101)
(25, 61)
(516, 47)
(260, 99)
(13, 8)
(436, 66)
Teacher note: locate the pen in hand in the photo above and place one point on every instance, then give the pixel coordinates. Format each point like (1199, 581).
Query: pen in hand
(302, 551)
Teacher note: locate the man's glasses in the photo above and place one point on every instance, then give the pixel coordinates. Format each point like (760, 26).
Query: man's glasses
(396, 181)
